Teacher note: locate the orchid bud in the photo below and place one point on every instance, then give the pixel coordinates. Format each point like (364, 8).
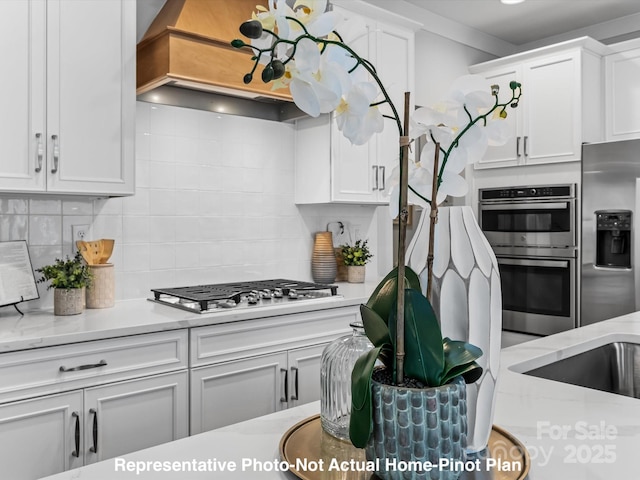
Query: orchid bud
(251, 29)
(267, 74)
(513, 85)
(278, 68)
(247, 78)
(503, 114)
(237, 43)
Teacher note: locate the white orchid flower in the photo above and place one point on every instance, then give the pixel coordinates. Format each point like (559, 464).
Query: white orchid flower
(468, 97)
(355, 117)
(420, 177)
(315, 84)
(272, 19)
(452, 184)
(312, 14)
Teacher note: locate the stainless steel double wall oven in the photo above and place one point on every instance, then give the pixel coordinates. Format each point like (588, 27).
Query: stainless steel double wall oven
(533, 233)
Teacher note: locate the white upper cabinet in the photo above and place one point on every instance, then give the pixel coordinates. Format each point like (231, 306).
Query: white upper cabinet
(560, 107)
(69, 123)
(328, 167)
(622, 95)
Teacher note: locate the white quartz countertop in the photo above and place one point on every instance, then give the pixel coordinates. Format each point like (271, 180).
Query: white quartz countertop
(131, 317)
(571, 432)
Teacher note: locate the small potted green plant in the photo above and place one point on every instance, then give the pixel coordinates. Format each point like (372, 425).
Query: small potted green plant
(68, 278)
(355, 257)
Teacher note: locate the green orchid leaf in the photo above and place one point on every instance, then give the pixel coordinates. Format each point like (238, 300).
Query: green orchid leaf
(375, 327)
(424, 353)
(471, 372)
(457, 353)
(360, 422)
(384, 297)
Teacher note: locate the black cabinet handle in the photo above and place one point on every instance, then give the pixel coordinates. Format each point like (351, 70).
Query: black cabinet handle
(76, 452)
(94, 449)
(103, 363)
(294, 371)
(283, 398)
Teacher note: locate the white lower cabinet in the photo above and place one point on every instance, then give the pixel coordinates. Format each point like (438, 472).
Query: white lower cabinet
(71, 405)
(129, 416)
(247, 369)
(45, 428)
(235, 391)
(77, 404)
(76, 428)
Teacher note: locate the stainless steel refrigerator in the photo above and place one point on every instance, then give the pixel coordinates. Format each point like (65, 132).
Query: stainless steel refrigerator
(610, 247)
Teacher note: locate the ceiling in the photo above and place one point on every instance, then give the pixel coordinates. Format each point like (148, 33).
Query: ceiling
(531, 20)
(519, 24)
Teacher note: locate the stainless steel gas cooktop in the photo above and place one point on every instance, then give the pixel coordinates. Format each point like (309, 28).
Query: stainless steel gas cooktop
(223, 296)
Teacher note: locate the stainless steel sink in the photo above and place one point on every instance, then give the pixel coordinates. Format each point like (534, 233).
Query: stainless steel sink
(614, 367)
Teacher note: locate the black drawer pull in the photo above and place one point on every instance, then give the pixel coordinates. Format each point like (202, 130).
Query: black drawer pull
(102, 363)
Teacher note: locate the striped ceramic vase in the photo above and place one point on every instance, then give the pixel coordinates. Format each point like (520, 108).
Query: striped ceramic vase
(467, 298)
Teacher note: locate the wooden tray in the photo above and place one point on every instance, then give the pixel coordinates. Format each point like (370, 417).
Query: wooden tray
(307, 441)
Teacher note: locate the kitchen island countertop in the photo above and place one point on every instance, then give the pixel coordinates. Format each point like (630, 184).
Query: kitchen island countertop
(41, 328)
(571, 432)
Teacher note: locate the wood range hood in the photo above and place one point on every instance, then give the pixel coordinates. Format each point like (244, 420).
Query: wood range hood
(188, 45)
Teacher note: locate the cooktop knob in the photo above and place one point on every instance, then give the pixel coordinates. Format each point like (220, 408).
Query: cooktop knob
(252, 299)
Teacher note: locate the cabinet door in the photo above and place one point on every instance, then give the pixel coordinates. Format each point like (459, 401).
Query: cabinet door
(231, 392)
(90, 96)
(38, 437)
(622, 71)
(304, 374)
(22, 47)
(511, 153)
(553, 109)
(395, 59)
(124, 417)
(354, 174)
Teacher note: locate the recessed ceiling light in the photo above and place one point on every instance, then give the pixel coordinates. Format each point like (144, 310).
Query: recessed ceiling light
(511, 2)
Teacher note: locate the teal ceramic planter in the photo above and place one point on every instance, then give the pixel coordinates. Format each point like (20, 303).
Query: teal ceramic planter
(414, 429)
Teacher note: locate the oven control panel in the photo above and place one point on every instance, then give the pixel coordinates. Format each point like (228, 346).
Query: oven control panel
(543, 191)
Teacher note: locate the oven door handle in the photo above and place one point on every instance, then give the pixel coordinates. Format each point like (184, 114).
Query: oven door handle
(534, 263)
(527, 206)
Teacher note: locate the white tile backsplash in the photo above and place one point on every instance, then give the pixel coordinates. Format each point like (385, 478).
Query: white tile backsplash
(14, 206)
(214, 203)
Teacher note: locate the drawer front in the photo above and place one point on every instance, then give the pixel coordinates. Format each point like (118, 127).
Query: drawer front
(232, 341)
(55, 369)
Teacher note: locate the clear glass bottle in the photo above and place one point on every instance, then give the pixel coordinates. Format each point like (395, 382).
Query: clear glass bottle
(338, 359)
